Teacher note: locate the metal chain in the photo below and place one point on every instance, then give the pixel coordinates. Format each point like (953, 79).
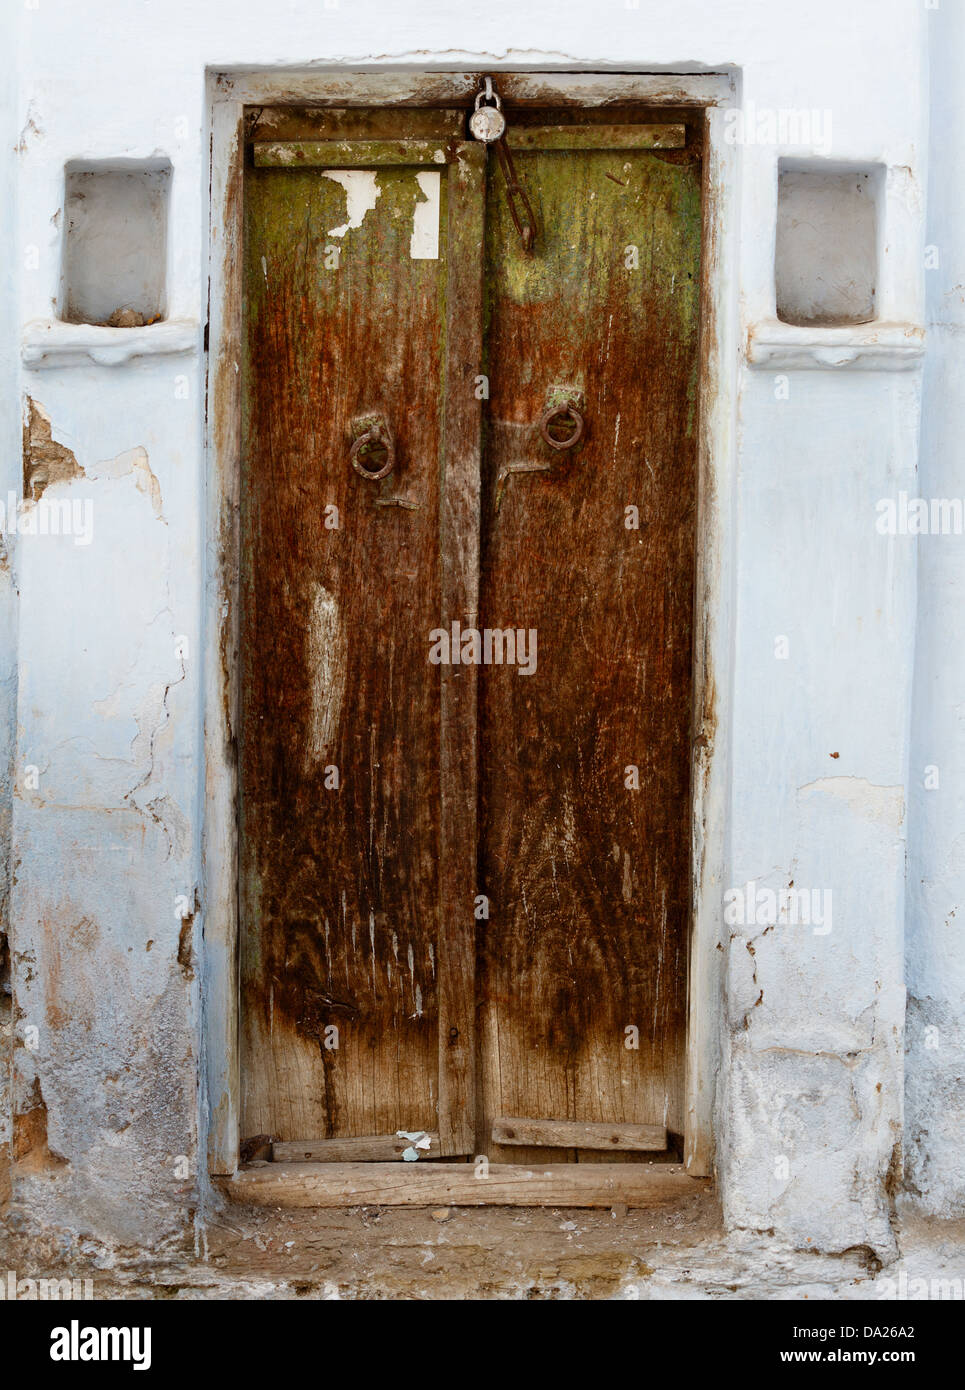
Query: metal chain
(525, 224)
(488, 124)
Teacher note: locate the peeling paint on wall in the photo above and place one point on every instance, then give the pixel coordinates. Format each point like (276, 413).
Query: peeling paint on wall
(44, 460)
(124, 465)
(31, 1152)
(882, 804)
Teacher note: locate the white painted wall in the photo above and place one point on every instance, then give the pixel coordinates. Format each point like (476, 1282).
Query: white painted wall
(935, 1064)
(810, 1092)
(9, 479)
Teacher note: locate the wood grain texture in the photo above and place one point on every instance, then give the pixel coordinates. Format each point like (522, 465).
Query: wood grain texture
(589, 881)
(221, 641)
(598, 137)
(357, 903)
(339, 887)
(291, 122)
(456, 1184)
(584, 90)
(459, 558)
(371, 1148)
(347, 154)
(570, 1134)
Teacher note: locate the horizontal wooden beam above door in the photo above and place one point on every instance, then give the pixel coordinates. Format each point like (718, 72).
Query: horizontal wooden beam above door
(278, 124)
(341, 88)
(460, 1185)
(571, 1134)
(598, 137)
(349, 154)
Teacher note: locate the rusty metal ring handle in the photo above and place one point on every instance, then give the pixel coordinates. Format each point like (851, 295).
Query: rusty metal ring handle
(560, 412)
(373, 436)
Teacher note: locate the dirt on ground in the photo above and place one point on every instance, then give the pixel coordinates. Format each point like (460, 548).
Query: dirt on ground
(499, 1253)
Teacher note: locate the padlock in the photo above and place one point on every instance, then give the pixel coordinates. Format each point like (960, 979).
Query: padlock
(487, 123)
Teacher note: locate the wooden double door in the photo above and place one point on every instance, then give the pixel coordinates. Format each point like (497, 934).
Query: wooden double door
(468, 523)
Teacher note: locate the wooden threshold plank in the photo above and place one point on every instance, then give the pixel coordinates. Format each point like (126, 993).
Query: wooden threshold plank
(599, 137)
(572, 1134)
(366, 1148)
(348, 154)
(457, 1184)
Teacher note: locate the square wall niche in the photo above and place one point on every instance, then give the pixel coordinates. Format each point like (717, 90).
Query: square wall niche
(115, 242)
(828, 240)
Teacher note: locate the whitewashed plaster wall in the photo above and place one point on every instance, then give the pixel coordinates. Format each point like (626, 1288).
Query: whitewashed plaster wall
(810, 1090)
(9, 480)
(935, 1064)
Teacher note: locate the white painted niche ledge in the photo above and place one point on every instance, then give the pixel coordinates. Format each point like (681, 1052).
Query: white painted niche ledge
(875, 346)
(53, 343)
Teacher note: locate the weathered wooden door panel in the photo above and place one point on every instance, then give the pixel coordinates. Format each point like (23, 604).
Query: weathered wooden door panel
(582, 967)
(345, 284)
(380, 792)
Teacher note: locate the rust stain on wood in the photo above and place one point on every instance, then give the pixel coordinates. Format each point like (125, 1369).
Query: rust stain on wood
(339, 882)
(588, 878)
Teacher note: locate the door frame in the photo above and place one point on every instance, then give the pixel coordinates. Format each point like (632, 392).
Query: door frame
(714, 632)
